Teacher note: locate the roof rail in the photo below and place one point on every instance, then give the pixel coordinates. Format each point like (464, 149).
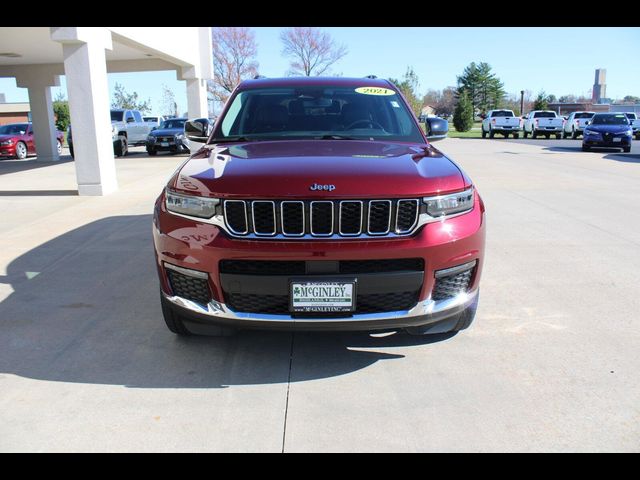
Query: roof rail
(371, 76)
(259, 76)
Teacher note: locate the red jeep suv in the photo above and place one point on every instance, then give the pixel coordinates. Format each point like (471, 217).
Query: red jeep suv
(318, 204)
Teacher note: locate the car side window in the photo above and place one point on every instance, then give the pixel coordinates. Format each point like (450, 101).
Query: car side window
(136, 116)
(127, 116)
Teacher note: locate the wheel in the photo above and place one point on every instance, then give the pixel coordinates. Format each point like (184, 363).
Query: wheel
(71, 151)
(564, 134)
(558, 136)
(491, 133)
(534, 134)
(626, 149)
(460, 321)
(21, 150)
(637, 136)
(175, 322)
(574, 134)
(59, 145)
(120, 147)
(525, 133)
(585, 148)
(484, 134)
(516, 135)
(547, 135)
(152, 151)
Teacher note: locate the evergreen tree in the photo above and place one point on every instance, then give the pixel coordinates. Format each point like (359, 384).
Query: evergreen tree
(541, 102)
(485, 90)
(61, 112)
(463, 114)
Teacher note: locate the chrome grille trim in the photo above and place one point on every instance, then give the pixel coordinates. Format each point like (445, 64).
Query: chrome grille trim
(388, 219)
(311, 218)
(415, 220)
(246, 220)
(287, 202)
(340, 218)
(253, 218)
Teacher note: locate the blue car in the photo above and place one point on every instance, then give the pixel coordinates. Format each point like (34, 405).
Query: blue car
(609, 130)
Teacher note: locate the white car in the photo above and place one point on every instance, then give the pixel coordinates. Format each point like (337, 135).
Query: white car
(500, 121)
(543, 122)
(635, 124)
(574, 126)
(155, 120)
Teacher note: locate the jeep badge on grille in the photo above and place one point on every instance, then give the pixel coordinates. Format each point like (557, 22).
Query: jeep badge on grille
(317, 186)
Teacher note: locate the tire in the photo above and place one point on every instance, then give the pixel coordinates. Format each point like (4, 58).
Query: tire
(71, 151)
(637, 136)
(525, 134)
(463, 320)
(120, 146)
(175, 323)
(574, 134)
(585, 148)
(547, 135)
(59, 146)
(484, 134)
(21, 151)
(626, 149)
(558, 136)
(564, 134)
(152, 151)
(516, 135)
(491, 133)
(534, 134)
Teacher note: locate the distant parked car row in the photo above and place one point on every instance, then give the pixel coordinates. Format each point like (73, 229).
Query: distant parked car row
(16, 140)
(545, 123)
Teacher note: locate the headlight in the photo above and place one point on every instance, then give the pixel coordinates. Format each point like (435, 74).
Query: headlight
(191, 205)
(591, 132)
(7, 142)
(628, 132)
(179, 136)
(151, 138)
(449, 204)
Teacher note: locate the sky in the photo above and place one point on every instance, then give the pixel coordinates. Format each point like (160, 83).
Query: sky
(558, 60)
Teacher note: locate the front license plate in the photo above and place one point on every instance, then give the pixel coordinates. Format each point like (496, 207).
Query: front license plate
(164, 144)
(322, 296)
(617, 139)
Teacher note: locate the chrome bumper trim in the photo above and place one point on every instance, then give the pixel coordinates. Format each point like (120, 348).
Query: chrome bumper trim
(427, 307)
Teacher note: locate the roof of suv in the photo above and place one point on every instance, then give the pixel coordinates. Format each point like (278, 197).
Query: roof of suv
(315, 81)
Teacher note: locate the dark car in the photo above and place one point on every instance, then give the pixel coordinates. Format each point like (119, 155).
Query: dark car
(318, 204)
(609, 130)
(16, 140)
(168, 137)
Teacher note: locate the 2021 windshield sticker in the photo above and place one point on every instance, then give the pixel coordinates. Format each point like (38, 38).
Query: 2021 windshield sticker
(375, 91)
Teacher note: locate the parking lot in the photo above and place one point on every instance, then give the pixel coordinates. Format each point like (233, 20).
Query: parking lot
(550, 364)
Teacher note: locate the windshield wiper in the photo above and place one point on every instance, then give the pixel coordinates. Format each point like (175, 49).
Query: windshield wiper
(231, 139)
(337, 137)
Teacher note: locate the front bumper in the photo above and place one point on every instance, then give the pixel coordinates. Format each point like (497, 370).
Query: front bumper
(8, 150)
(167, 146)
(624, 141)
(193, 245)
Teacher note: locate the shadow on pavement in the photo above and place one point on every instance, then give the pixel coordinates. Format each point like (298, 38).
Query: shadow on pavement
(624, 157)
(13, 165)
(86, 309)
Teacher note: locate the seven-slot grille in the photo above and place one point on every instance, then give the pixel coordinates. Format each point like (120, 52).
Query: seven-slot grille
(321, 218)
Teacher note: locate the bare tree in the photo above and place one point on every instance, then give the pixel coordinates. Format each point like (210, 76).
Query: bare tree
(234, 52)
(311, 50)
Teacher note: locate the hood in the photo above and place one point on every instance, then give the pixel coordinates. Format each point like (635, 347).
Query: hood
(609, 128)
(8, 136)
(165, 131)
(288, 169)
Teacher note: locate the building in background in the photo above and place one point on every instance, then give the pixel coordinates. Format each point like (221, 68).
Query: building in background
(14, 112)
(600, 86)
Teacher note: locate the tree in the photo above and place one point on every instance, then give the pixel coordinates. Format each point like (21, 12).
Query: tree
(631, 99)
(311, 50)
(463, 114)
(234, 53)
(168, 107)
(485, 90)
(409, 86)
(61, 112)
(129, 101)
(541, 102)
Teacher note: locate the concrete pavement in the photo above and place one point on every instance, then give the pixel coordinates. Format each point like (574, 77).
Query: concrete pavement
(550, 363)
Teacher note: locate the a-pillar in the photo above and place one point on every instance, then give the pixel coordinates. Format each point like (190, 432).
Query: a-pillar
(39, 83)
(86, 74)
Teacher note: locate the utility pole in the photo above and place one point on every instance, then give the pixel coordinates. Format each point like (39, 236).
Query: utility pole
(521, 103)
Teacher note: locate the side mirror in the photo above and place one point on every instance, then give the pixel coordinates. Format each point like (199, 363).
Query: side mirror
(196, 131)
(130, 120)
(437, 128)
(154, 128)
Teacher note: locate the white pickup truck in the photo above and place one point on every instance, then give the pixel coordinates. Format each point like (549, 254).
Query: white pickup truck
(500, 121)
(128, 128)
(542, 122)
(635, 124)
(574, 126)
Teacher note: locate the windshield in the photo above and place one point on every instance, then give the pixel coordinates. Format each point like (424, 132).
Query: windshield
(631, 116)
(319, 112)
(173, 124)
(150, 119)
(544, 115)
(14, 129)
(620, 119)
(583, 115)
(116, 116)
